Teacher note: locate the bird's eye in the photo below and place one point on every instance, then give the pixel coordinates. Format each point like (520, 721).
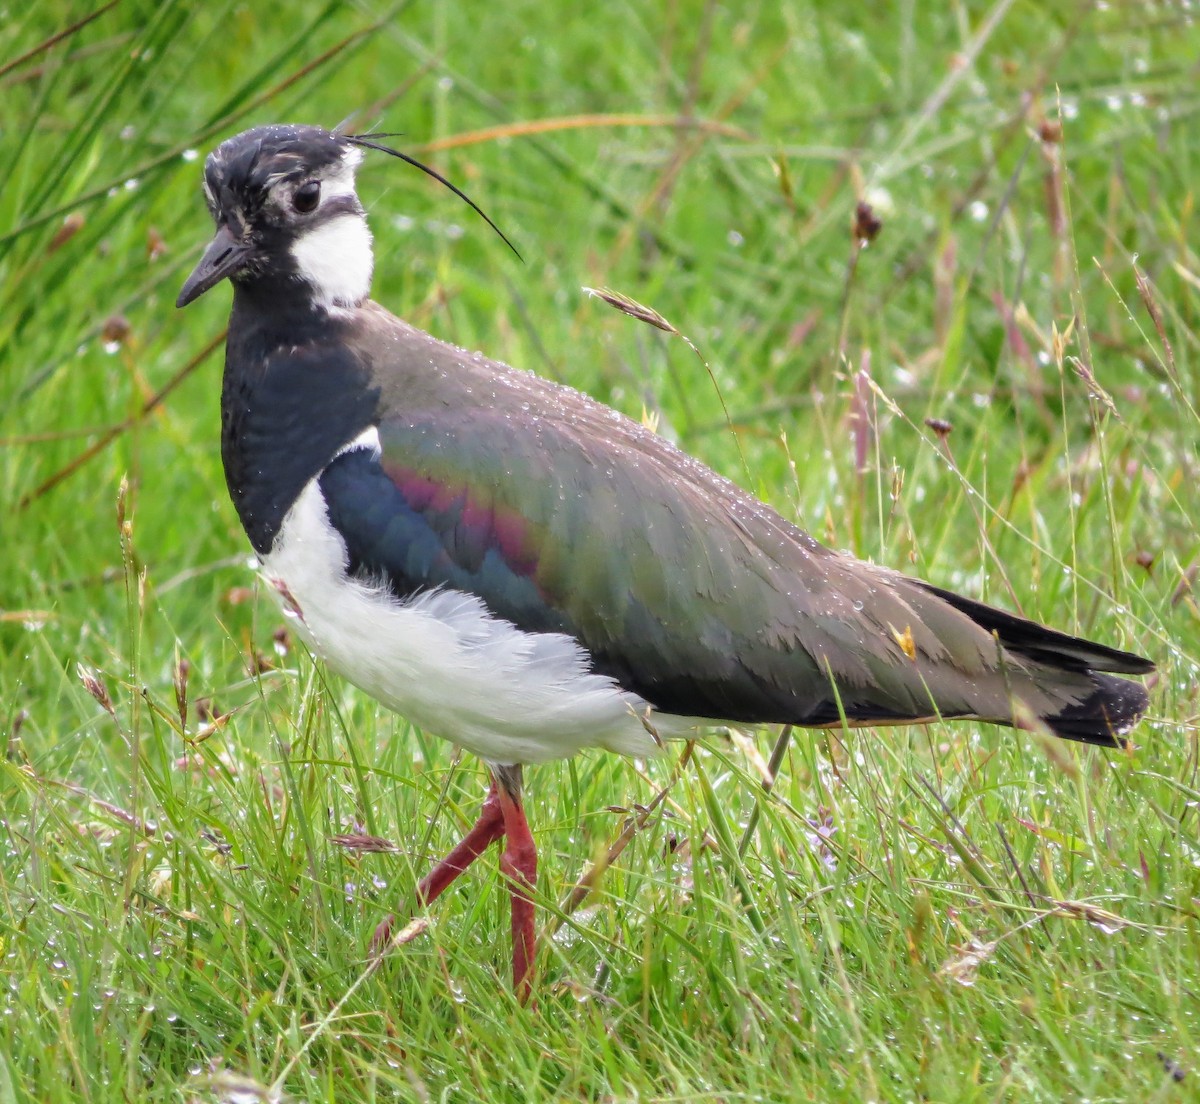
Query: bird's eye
(306, 197)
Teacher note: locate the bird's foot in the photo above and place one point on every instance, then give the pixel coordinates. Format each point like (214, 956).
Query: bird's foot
(381, 938)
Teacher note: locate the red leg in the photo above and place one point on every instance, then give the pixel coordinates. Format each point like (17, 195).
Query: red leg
(486, 830)
(518, 863)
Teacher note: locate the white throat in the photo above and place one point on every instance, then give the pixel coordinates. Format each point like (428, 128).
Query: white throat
(335, 259)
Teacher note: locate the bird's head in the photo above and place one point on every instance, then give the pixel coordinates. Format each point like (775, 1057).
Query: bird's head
(283, 199)
(285, 207)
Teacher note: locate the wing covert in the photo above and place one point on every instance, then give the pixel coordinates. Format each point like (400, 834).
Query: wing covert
(557, 530)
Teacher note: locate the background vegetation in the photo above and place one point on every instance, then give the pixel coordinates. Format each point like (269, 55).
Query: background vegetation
(998, 392)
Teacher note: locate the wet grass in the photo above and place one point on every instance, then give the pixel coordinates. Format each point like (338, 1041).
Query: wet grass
(998, 392)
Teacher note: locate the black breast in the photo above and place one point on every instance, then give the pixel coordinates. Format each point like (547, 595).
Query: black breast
(287, 405)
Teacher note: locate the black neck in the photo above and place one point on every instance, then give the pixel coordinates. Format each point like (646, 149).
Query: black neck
(295, 391)
(279, 310)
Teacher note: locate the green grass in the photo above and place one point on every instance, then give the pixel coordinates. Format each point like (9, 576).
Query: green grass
(943, 914)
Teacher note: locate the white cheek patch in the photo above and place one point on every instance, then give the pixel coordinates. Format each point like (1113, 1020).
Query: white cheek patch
(335, 259)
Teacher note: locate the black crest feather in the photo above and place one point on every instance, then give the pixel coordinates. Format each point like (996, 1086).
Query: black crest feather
(373, 141)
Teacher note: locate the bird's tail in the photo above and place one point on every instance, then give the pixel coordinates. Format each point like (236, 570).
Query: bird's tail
(1102, 716)
(1114, 707)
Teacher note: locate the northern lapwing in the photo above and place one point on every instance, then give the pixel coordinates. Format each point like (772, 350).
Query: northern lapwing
(524, 571)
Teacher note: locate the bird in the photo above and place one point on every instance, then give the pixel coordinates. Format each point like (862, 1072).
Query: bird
(524, 571)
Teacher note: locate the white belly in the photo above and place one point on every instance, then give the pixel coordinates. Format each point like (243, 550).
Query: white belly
(444, 662)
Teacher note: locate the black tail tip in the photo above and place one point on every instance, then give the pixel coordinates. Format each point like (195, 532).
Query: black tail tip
(1105, 716)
